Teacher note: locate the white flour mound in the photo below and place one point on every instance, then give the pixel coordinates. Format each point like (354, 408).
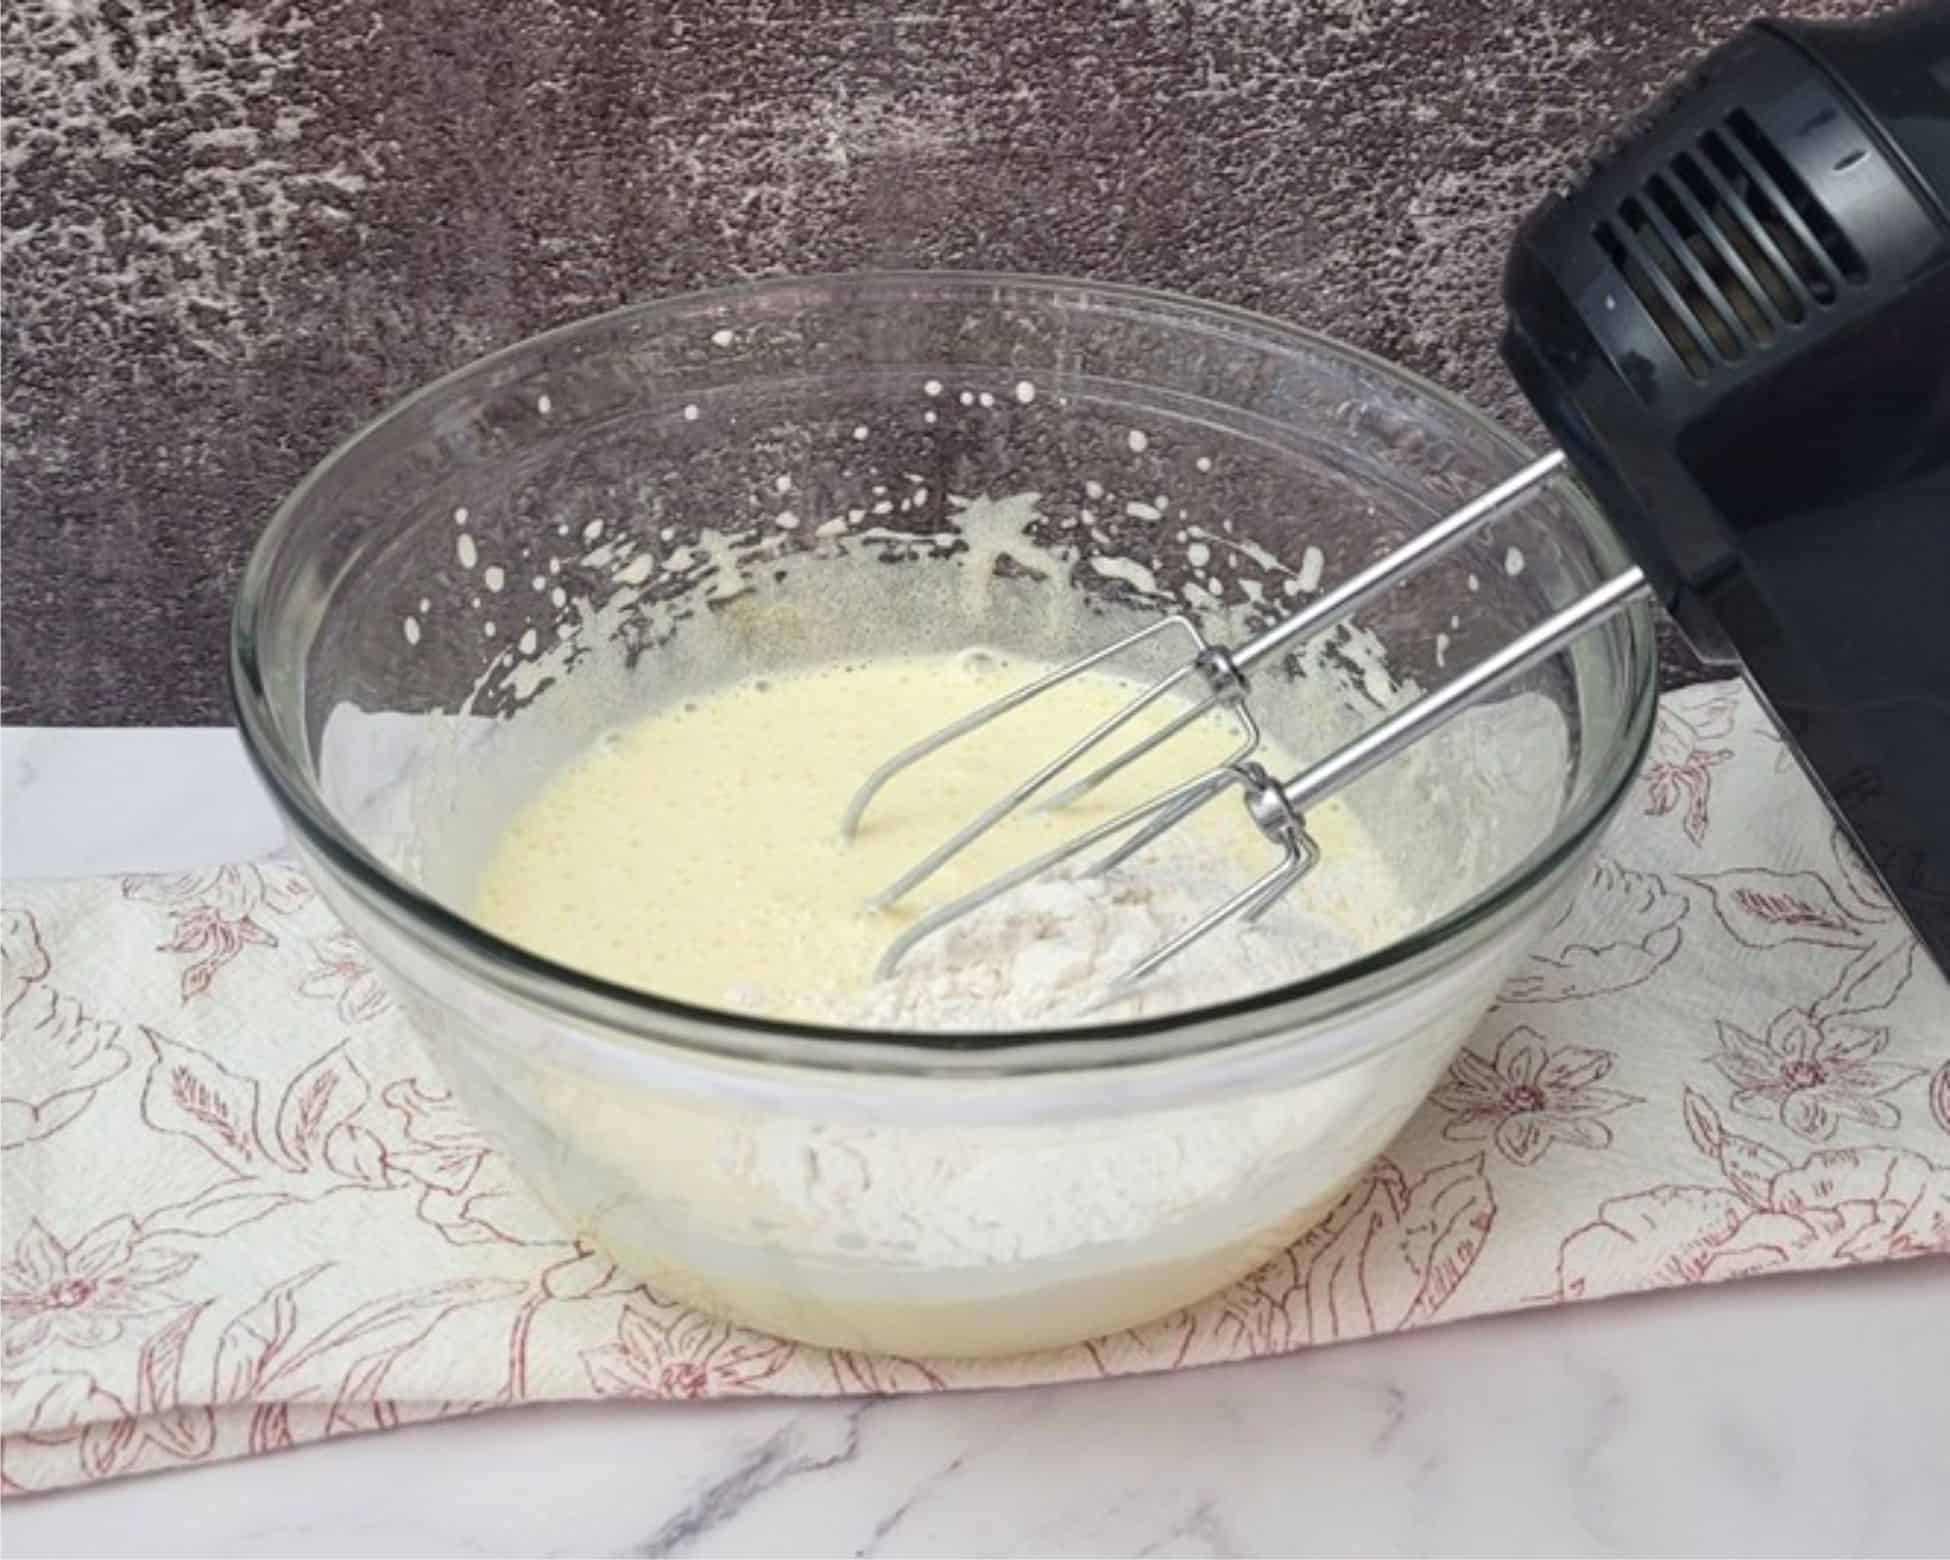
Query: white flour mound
(1047, 952)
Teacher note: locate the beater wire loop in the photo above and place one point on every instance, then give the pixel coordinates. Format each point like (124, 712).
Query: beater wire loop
(1277, 807)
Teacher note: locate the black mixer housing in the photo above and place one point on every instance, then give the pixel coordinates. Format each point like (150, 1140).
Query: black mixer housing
(1737, 326)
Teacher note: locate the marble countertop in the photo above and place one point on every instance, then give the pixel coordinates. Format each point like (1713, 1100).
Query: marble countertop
(1783, 1417)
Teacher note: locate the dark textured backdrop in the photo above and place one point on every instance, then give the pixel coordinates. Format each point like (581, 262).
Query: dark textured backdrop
(235, 230)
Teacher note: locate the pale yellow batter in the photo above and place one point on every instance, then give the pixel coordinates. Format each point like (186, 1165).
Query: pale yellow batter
(697, 853)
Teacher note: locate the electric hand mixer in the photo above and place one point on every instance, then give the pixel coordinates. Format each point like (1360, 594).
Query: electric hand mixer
(1737, 328)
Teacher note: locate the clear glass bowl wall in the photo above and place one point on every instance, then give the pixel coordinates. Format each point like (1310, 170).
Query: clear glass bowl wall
(1186, 1151)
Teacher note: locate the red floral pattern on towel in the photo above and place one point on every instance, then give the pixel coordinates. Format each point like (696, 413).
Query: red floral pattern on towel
(1528, 1097)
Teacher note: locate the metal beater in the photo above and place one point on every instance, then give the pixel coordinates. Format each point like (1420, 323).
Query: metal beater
(1216, 678)
(1763, 263)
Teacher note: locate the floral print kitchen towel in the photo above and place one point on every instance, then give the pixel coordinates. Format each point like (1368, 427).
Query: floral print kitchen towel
(240, 1211)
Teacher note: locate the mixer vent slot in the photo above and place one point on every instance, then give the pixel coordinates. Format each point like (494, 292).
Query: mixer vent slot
(1813, 217)
(1651, 267)
(1727, 247)
(1736, 248)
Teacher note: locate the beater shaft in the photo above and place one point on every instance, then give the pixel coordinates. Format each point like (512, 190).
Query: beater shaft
(1446, 534)
(1409, 726)
(1279, 807)
(1224, 675)
(1336, 606)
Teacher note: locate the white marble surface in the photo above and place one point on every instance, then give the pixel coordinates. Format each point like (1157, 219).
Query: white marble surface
(1783, 1417)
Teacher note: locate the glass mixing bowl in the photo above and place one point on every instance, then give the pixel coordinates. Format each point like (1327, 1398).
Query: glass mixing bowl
(621, 511)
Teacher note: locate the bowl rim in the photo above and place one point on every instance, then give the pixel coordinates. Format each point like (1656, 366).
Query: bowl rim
(585, 999)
